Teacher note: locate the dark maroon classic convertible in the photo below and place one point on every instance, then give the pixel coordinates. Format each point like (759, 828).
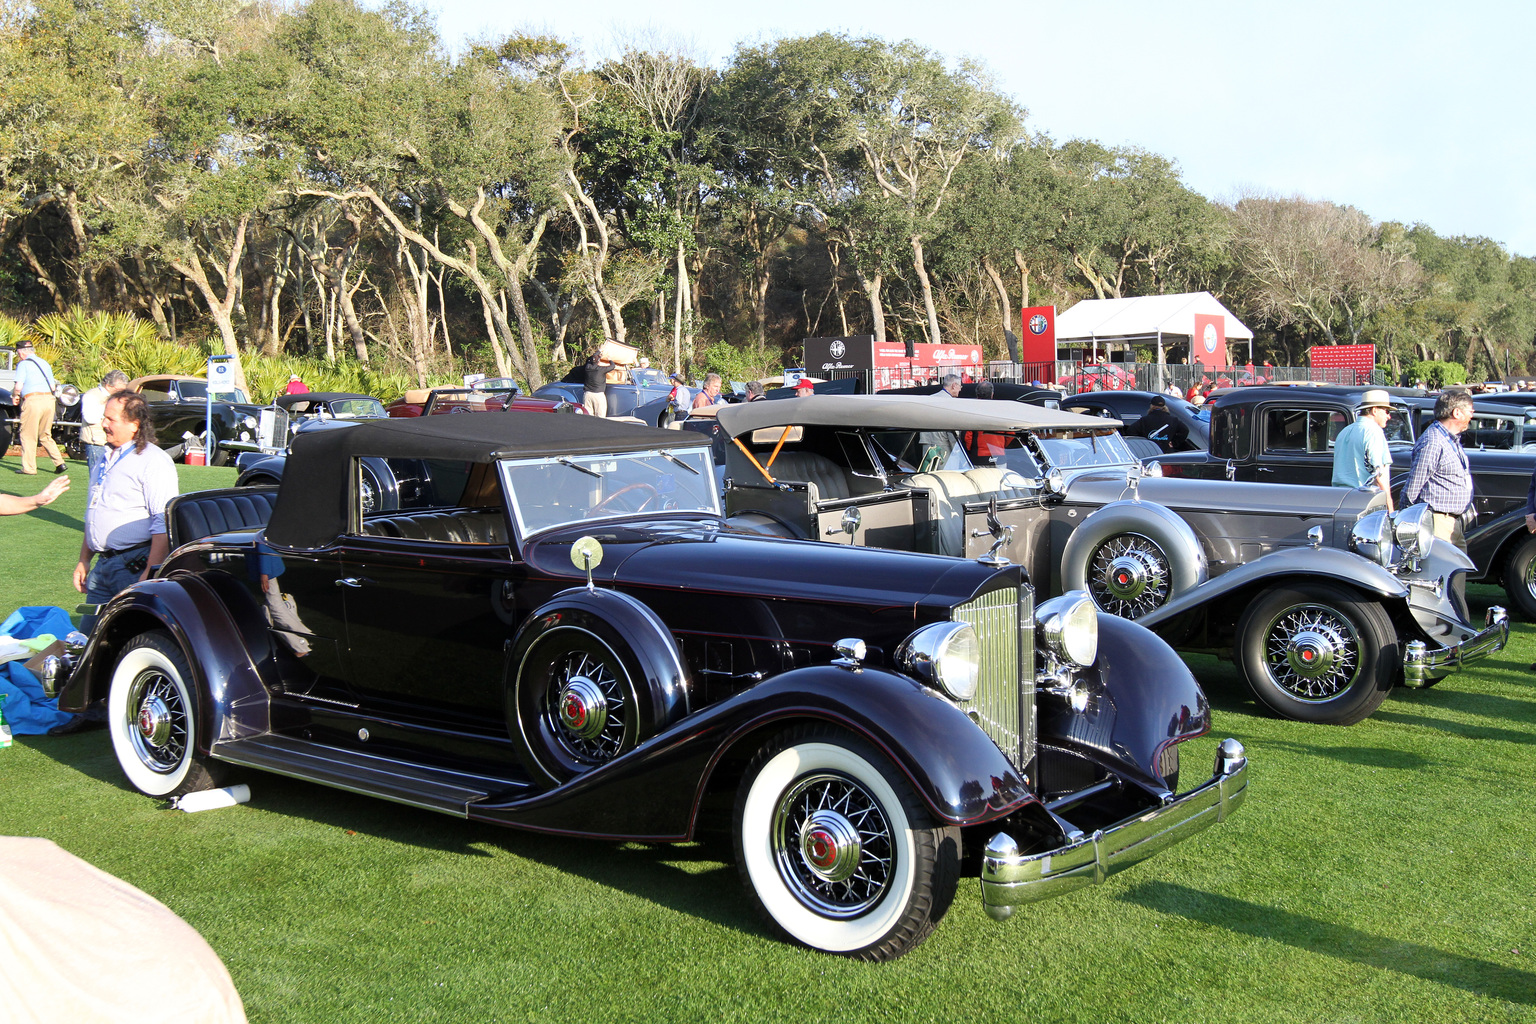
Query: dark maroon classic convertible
(553, 629)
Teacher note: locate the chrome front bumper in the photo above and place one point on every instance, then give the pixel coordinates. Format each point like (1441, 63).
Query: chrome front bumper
(1010, 878)
(1423, 666)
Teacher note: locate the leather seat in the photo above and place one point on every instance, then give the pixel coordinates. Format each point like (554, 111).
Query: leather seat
(441, 527)
(202, 514)
(827, 477)
(948, 492)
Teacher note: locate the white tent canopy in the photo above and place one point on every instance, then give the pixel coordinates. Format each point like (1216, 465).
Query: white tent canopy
(1144, 318)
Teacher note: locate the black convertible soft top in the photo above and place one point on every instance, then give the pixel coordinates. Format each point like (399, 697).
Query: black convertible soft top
(312, 507)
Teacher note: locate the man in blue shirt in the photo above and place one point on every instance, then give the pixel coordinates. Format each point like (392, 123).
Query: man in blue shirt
(35, 381)
(1361, 457)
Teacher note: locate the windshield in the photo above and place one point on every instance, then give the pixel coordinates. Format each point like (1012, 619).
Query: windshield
(357, 409)
(1073, 449)
(552, 492)
(919, 451)
(1397, 429)
(197, 391)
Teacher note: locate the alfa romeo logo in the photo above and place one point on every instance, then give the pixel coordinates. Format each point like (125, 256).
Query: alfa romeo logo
(837, 348)
(1037, 324)
(1210, 338)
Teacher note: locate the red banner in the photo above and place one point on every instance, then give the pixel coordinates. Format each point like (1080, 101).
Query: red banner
(1209, 345)
(1037, 337)
(1360, 358)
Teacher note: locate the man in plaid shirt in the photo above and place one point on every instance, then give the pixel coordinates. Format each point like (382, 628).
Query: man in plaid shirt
(1440, 476)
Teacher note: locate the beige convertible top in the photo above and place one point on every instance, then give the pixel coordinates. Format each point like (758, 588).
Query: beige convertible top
(917, 412)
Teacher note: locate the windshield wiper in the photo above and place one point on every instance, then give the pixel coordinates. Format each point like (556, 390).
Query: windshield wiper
(580, 468)
(673, 458)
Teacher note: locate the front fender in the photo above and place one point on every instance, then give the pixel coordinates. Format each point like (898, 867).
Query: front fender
(1146, 699)
(1308, 564)
(233, 697)
(657, 790)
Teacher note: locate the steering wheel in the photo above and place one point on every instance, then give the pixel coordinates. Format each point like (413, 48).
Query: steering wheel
(602, 506)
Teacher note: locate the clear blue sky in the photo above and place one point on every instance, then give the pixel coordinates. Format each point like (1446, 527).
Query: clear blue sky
(1407, 110)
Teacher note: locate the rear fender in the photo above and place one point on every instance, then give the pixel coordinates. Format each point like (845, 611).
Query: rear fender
(233, 699)
(1279, 568)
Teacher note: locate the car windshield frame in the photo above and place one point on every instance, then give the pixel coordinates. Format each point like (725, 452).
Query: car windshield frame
(683, 473)
(197, 391)
(353, 409)
(1077, 450)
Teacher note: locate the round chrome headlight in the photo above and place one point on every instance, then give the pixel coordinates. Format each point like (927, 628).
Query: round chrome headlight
(1414, 528)
(1371, 537)
(946, 655)
(248, 422)
(1068, 627)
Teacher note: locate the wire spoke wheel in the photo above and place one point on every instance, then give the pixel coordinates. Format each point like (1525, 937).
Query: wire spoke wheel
(1129, 575)
(587, 707)
(837, 851)
(1313, 652)
(158, 721)
(833, 845)
(1317, 652)
(152, 716)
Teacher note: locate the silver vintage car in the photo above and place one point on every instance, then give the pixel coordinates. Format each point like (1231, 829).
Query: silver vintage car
(1323, 598)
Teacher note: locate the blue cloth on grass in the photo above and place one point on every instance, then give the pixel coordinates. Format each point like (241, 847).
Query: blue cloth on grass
(27, 709)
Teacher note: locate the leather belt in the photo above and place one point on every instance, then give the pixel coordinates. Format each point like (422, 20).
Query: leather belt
(123, 551)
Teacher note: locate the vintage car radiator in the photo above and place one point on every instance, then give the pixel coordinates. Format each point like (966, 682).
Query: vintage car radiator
(1004, 705)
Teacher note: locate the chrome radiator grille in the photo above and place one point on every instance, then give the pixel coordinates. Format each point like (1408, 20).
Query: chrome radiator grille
(1004, 704)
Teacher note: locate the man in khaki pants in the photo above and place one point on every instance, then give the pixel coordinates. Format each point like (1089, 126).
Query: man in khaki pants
(35, 382)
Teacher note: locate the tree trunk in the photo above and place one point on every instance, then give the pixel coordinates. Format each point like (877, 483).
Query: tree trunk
(922, 278)
(1018, 261)
(85, 279)
(1002, 293)
(221, 309)
(871, 288)
(24, 246)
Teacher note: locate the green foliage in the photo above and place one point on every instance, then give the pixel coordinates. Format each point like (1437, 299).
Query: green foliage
(83, 346)
(11, 331)
(732, 363)
(1437, 374)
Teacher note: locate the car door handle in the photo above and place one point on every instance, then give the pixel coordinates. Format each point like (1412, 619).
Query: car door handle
(351, 581)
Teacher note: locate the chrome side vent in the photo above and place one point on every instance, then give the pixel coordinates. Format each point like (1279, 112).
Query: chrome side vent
(1004, 705)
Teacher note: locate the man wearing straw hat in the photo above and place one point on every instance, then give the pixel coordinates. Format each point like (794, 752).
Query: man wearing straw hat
(1361, 457)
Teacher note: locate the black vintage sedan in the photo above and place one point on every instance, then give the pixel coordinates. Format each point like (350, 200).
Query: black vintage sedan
(181, 405)
(1285, 435)
(558, 632)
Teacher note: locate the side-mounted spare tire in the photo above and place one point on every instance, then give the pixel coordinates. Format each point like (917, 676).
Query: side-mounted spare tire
(592, 674)
(1133, 557)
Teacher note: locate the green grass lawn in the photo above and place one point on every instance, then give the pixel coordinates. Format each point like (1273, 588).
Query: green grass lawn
(1381, 872)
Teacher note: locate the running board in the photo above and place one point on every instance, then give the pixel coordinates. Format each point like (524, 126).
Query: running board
(432, 789)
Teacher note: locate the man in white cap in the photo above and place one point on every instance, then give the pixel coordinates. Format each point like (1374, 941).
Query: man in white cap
(1361, 457)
